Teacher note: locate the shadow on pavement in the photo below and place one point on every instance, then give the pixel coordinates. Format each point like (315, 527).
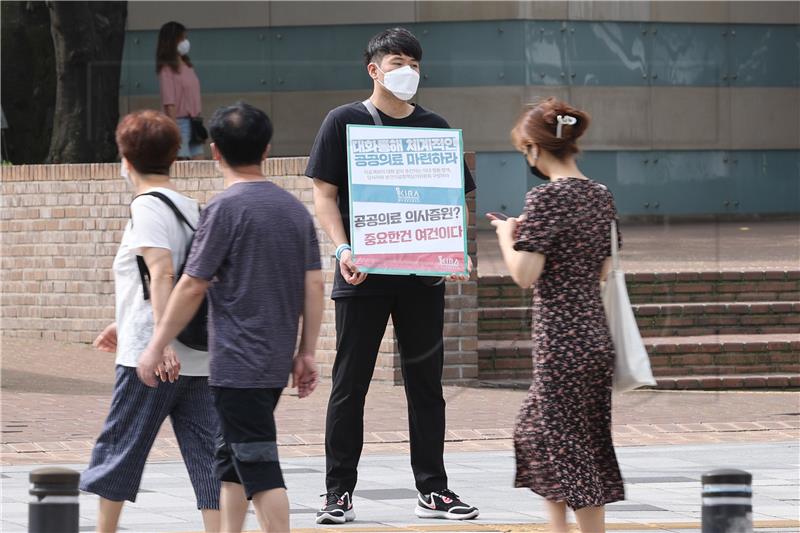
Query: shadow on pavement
(23, 381)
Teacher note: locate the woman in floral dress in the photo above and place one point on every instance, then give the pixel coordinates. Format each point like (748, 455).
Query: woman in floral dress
(561, 245)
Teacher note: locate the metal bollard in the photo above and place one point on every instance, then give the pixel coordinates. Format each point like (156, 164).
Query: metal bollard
(54, 508)
(727, 501)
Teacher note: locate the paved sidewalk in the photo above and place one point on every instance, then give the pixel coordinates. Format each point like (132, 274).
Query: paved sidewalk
(55, 397)
(662, 484)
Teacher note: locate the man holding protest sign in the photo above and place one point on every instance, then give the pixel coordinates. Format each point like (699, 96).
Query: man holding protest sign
(399, 193)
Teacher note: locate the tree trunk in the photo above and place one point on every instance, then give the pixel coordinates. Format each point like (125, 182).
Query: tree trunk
(28, 81)
(88, 39)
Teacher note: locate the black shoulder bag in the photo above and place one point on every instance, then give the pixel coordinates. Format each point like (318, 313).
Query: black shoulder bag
(199, 132)
(195, 334)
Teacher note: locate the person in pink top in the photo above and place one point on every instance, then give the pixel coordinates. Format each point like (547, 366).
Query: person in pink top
(180, 87)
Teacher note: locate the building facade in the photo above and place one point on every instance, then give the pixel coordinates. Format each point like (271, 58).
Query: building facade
(695, 105)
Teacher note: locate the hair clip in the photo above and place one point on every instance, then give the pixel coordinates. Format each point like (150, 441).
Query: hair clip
(562, 120)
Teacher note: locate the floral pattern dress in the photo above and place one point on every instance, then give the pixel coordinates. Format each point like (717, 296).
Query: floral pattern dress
(562, 437)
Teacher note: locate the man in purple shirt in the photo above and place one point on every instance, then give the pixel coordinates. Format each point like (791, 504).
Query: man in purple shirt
(256, 256)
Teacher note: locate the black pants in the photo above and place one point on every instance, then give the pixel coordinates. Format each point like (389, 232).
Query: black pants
(418, 317)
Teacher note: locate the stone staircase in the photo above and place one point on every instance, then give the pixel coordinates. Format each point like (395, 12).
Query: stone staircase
(703, 330)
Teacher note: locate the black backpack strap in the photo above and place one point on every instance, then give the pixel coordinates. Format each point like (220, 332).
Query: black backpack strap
(164, 198)
(144, 272)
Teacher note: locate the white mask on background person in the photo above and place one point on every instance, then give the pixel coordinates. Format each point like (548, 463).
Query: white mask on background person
(401, 82)
(184, 47)
(123, 171)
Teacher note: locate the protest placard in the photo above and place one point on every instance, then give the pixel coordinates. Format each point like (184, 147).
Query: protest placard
(407, 209)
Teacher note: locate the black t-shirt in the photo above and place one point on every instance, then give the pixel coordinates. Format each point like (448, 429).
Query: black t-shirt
(328, 162)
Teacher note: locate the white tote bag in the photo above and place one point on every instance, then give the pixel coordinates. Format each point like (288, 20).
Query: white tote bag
(631, 363)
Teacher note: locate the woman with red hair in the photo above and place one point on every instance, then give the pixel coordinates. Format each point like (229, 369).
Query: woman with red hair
(561, 245)
(149, 142)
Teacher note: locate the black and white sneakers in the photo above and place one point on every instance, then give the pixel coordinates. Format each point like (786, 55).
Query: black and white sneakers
(444, 504)
(337, 509)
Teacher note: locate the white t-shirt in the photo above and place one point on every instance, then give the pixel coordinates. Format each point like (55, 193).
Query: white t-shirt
(152, 225)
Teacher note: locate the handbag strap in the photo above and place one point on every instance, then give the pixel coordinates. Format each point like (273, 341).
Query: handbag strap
(376, 118)
(614, 246)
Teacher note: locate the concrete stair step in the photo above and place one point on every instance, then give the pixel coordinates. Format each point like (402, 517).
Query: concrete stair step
(730, 381)
(740, 343)
(713, 355)
(666, 319)
(689, 344)
(750, 286)
(724, 354)
(693, 319)
(707, 382)
(506, 346)
(506, 323)
(669, 287)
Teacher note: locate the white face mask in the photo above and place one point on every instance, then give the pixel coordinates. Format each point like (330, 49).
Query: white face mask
(184, 47)
(401, 82)
(123, 171)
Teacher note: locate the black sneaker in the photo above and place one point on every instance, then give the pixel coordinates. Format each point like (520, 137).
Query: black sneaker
(444, 504)
(337, 509)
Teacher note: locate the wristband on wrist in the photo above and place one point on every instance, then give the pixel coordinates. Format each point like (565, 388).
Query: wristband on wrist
(341, 249)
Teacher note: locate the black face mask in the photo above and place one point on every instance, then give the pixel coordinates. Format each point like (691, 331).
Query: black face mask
(535, 171)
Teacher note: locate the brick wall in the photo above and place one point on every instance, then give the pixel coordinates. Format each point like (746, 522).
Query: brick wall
(61, 226)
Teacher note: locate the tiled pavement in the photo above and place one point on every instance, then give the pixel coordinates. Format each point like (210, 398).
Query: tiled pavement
(662, 485)
(55, 397)
(396, 442)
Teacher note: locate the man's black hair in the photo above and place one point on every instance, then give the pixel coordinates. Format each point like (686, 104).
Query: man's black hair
(392, 41)
(241, 133)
